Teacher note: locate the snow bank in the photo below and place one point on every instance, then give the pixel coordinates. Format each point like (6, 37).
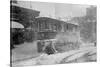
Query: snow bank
(45, 59)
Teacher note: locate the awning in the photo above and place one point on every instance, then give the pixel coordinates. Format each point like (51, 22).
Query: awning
(16, 25)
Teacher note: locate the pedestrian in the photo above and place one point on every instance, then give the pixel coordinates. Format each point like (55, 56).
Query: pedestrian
(48, 48)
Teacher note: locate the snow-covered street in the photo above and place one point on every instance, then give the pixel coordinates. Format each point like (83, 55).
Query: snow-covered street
(80, 55)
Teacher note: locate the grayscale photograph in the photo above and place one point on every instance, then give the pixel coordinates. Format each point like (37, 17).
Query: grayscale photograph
(48, 33)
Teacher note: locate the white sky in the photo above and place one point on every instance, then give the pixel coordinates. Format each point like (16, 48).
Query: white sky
(55, 9)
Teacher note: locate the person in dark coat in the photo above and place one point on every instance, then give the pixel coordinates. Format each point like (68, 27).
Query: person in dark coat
(48, 49)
